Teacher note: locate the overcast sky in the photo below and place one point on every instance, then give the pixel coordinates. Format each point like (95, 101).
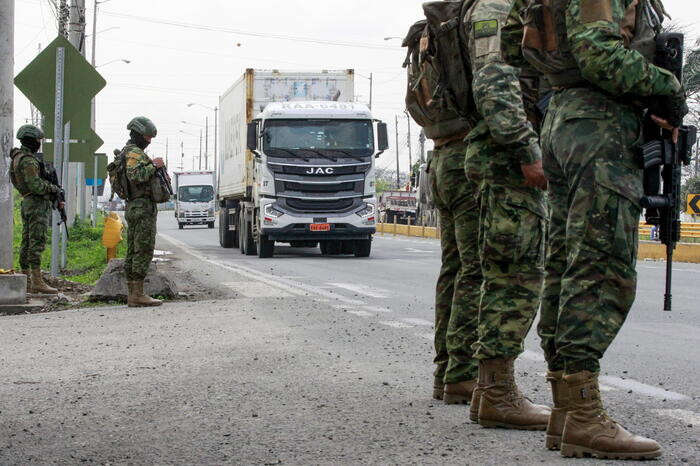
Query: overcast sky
(209, 43)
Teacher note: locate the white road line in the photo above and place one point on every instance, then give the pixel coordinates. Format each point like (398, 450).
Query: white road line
(363, 290)
(683, 415)
(257, 290)
(426, 336)
(396, 324)
(363, 314)
(674, 269)
(418, 251)
(290, 286)
(642, 388)
(418, 322)
(380, 309)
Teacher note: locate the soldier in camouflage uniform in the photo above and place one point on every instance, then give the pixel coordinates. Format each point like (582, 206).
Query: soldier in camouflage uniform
(141, 210)
(37, 195)
(504, 159)
(598, 56)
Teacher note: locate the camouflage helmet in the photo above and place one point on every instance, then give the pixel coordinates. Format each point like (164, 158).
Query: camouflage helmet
(29, 131)
(142, 126)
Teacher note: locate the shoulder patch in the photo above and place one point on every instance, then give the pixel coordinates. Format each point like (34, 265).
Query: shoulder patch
(485, 28)
(132, 159)
(596, 10)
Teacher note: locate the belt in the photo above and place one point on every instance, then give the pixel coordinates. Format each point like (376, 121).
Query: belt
(439, 142)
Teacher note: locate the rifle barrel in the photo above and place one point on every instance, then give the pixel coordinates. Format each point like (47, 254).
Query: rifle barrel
(668, 298)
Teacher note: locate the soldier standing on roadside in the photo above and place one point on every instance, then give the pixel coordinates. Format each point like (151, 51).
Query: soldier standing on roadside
(37, 195)
(141, 210)
(598, 55)
(504, 158)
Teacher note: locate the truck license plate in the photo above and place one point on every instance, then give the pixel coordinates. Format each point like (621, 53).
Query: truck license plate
(320, 227)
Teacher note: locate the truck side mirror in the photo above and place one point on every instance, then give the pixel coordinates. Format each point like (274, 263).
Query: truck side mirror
(382, 137)
(252, 142)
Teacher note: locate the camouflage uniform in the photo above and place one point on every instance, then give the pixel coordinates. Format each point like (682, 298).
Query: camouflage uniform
(141, 214)
(589, 139)
(459, 283)
(512, 216)
(37, 194)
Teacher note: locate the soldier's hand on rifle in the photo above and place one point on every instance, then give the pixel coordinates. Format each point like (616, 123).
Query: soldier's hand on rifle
(534, 175)
(61, 205)
(664, 124)
(158, 162)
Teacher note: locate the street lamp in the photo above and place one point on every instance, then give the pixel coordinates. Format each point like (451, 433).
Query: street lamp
(216, 132)
(123, 60)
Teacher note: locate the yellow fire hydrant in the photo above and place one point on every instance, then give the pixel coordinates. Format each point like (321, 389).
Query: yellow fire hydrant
(112, 234)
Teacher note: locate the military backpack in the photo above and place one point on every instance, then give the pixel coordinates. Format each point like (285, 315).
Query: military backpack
(116, 171)
(439, 95)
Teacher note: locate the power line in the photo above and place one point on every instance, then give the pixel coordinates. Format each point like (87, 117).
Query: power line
(202, 27)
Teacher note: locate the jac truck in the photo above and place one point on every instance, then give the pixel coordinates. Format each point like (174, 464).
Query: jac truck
(297, 164)
(194, 198)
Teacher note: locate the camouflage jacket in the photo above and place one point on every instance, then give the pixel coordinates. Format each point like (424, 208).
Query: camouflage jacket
(496, 84)
(27, 175)
(139, 171)
(599, 48)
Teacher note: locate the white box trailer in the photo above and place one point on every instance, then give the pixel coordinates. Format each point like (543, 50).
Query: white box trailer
(195, 198)
(297, 163)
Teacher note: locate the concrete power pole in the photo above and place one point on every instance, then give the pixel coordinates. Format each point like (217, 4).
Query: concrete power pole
(63, 14)
(398, 167)
(76, 36)
(410, 155)
(7, 34)
(421, 141)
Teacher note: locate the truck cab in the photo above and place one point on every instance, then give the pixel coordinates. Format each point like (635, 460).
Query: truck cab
(194, 198)
(315, 176)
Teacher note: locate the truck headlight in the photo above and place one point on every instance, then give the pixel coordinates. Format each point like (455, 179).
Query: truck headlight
(210, 212)
(367, 214)
(270, 211)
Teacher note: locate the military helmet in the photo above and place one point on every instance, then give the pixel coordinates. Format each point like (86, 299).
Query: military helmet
(29, 131)
(143, 126)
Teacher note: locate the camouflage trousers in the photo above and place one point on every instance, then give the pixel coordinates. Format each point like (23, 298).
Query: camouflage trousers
(457, 290)
(595, 187)
(36, 215)
(141, 215)
(511, 250)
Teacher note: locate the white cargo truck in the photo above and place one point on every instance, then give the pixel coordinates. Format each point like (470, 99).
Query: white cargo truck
(297, 164)
(194, 198)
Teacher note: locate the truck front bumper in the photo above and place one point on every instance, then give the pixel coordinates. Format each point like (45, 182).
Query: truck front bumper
(195, 220)
(302, 232)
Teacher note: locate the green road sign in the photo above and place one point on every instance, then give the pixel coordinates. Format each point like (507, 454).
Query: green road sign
(81, 82)
(79, 151)
(101, 167)
(693, 204)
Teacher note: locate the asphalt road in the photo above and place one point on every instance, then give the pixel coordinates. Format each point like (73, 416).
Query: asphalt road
(310, 359)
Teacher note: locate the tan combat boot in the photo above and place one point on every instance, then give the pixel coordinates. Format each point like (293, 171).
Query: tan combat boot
(560, 396)
(438, 388)
(476, 398)
(459, 393)
(502, 404)
(138, 299)
(589, 431)
(38, 284)
(29, 279)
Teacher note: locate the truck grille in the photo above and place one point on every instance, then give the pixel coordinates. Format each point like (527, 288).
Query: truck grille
(338, 205)
(302, 187)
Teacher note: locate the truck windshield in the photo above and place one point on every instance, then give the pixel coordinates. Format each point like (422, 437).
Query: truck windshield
(196, 193)
(341, 137)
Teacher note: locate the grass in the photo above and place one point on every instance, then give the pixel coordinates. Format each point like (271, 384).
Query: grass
(86, 257)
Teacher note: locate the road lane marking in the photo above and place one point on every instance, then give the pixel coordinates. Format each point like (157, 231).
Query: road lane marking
(257, 290)
(396, 324)
(363, 314)
(377, 293)
(644, 389)
(418, 251)
(290, 286)
(380, 309)
(418, 322)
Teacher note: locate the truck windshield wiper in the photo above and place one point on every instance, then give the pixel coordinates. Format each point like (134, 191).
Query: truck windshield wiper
(349, 154)
(325, 156)
(291, 152)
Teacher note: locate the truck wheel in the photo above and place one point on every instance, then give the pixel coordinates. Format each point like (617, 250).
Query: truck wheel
(241, 231)
(210, 225)
(250, 246)
(266, 247)
(363, 247)
(330, 248)
(180, 225)
(347, 247)
(226, 237)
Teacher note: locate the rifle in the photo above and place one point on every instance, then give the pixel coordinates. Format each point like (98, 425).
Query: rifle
(663, 161)
(50, 175)
(162, 174)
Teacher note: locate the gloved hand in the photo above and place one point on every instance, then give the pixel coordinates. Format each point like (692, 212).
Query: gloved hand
(670, 108)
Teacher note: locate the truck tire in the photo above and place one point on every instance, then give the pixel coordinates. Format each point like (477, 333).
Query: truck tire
(347, 247)
(248, 246)
(226, 236)
(210, 225)
(363, 247)
(330, 248)
(180, 225)
(265, 247)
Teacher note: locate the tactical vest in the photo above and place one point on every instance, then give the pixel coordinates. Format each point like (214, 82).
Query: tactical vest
(439, 96)
(18, 181)
(137, 190)
(547, 48)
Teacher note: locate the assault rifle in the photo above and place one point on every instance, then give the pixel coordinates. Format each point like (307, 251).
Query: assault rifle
(50, 175)
(663, 160)
(162, 174)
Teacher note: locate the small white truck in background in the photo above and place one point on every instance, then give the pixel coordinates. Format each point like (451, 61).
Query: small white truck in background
(194, 198)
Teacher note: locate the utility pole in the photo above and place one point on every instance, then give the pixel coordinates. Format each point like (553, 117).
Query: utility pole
(398, 167)
(200, 152)
(182, 156)
(410, 155)
(63, 14)
(206, 143)
(7, 60)
(421, 141)
(76, 36)
(92, 113)
(216, 140)
(166, 154)
(371, 89)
